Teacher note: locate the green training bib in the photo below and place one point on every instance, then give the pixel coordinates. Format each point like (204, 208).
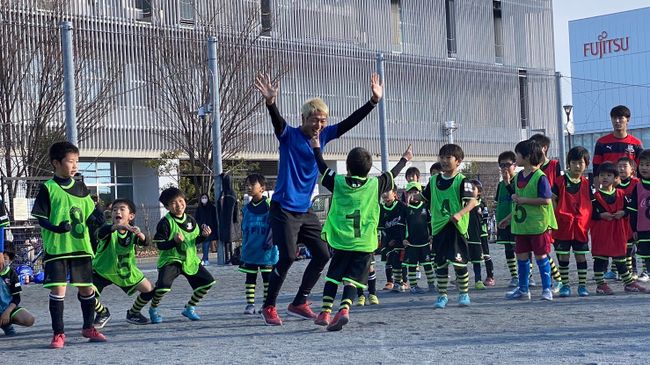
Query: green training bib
(185, 253)
(445, 203)
(116, 262)
(531, 219)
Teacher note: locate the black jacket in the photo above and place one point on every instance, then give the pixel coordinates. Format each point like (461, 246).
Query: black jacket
(228, 212)
(207, 214)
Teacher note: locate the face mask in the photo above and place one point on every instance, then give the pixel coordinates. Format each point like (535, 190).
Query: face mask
(204, 200)
(7, 263)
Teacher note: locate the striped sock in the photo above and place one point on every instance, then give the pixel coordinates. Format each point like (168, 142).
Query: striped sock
(250, 293)
(555, 273)
(349, 291)
(413, 281)
(158, 294)
(628, 263)
(599, 277)
(99, 307)
(462, 278)
(564, 272)
(442, 274)
(199, 293)
(329, 294)
(430, 274)
(582, 272)
(626, 276)
(141, 301)
(397, 274)
(512, 266)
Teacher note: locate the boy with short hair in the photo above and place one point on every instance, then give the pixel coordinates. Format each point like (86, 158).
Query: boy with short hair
(479, 252)
(626, 168)
(115, 263)
(257, 252)
(638, 209)
(177, 235)
(609, 230)
(451, 198)
(573, 209)
(532, 219)
(64, 210)
(417, 242)
(503, 201)
(351, 227)
(393, 230)
(435, 169)
(10, 312)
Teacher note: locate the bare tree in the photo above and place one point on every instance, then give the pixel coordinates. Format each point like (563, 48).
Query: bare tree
(31, 90)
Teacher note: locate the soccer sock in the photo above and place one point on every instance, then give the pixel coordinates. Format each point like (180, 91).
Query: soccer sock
(266, 275)
(614, 268)
(645, 265)
(99, 307)
(200, 292)
(329, 293)
(360, 291)
(158, 294)
(320, 257)
(413, 281)
(405, 273)
(564, 271)
(56, 313)
(430, 273)
(372, 283)
(626, 276)
(442, 274)
(349, 291)
(600, 265)
(545, 272)
(251, 280)
(489, 266)
(87, 309)
(141, 301)
(582, 272)
(477, 271)
(462, 278)
(397, 274)
(511, 260)
(524, 272)
(389, 273)
(555, 273)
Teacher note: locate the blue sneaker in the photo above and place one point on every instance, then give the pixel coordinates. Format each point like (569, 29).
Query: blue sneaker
(9, 330)
(190, 313)
(582, 291)
(441, 302)
(517, 294)
(556, 287)
(463, 300)
(547, 294)
(155, 316)
(610, 275)
(565, 291)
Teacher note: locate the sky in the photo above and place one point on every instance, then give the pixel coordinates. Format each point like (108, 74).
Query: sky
(566, 10)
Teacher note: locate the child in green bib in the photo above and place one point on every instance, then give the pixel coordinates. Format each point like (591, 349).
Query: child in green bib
(351, 227)
(451, 199)
(177, 235)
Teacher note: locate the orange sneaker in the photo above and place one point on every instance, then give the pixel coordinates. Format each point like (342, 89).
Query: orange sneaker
(341, 319)
(323, 319)
(58, 341)
(93, 335)
(388, 286)
(270, 316)
(301, 311)
(634, 287)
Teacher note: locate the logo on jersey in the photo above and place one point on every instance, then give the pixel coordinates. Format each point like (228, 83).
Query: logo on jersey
(459, 258)
(189, 226)
(609, 147)
(630, 149)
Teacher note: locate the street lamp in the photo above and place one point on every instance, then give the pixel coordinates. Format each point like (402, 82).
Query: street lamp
(570, 128)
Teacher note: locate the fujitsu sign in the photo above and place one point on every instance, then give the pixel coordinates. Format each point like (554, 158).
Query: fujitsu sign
(605, 46)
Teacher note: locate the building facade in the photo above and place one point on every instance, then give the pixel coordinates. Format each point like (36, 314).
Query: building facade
(610, 58)
(488, 65)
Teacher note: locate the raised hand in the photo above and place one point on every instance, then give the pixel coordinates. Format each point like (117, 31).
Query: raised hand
(377, 87)
(408, 154)
(268, 89)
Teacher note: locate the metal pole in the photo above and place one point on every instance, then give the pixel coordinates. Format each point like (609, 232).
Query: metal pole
(560, 123)
(68, 82)
(382, 116)
(216, 135)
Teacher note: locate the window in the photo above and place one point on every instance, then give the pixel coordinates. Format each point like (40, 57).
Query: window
(498, 31)
(109, 180)
(523, 98)
(450, 17)
(187, 11)
(144, 6)
(49, 5)
(267, 20)
(396, 25)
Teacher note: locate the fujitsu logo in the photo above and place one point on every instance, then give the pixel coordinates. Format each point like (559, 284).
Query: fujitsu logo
(605, 46)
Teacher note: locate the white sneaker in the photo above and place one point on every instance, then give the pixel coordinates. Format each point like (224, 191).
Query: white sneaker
(644, 278)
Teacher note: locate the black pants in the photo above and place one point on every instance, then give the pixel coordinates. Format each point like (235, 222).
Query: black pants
(289, 229)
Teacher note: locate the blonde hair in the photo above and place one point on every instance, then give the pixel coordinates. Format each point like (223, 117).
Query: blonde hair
(313, 105)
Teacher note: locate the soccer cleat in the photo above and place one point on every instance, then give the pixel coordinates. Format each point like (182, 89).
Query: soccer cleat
(490, 282)
(155, 315)
(463, 300)
(547, 294)
(340, 319)
(137, 318)
(604, 289)
(610, 275)
(102, 319)
(441, 302)
(634, 287)
(93, 335)
(250, 309)
(517, 294)
(205, 263)
(397, 288)
(190, 312)
(9, 330)
(361, 301)
(389, 286)
(58, 341)
(644, 278)
(270, 315)
(514, 283)
(479, 285)
(565, 291)
(373, 299)
(323, 319)
(582, 291)
(557, 286)
(415, 289)
(301, 311)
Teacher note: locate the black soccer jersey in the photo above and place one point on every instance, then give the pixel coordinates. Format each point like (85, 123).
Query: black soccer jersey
(418, 224)
(392, 224)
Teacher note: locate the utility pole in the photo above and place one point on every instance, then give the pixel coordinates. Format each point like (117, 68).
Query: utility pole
(69, 95)
(382, 116)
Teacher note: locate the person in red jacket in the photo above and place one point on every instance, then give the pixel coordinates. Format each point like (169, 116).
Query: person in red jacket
(572, 201)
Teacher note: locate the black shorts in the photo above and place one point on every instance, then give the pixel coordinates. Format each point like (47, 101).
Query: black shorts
(475, 250)
(417, 255)
(505, 236)
(563, 247)
(101, 282)
(349, 266)
(450, 247)
(168, 273)
(396, 257)
(253, 268)
(80, 270)
(291, 228)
